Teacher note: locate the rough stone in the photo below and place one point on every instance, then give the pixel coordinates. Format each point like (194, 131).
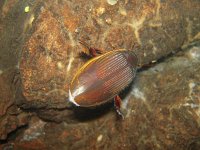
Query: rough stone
(50, 56)
(11, 117)
(162, 113)
(162, 106)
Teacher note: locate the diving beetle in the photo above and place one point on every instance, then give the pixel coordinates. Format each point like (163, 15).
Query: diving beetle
(103, 77)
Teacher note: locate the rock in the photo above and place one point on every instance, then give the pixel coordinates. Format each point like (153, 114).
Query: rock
(162, 105)
(163, 112)
(11, 117)
(50, 56)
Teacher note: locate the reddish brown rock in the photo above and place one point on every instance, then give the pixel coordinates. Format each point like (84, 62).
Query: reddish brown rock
(162, 113)
(50, 56)
(163, 106)
(11, 117)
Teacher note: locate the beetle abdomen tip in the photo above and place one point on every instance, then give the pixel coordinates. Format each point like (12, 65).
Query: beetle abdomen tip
(71, 99)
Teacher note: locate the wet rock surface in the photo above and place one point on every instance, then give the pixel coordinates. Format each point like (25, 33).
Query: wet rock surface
(11, 117)
(50, 56)
(162, 113)
(41, 47)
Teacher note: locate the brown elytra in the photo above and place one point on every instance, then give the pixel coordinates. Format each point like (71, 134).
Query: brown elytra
(102, 78)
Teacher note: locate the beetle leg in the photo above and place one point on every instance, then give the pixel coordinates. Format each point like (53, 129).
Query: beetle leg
(118, 102)
(93, 51)
(85, 55)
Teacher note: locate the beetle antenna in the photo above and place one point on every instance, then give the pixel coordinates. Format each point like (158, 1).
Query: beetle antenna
(84, 44)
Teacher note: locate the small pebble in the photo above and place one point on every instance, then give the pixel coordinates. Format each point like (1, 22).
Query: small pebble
(99, 138)
(100, 11)
(154, 61)
(108, 21)
(60, 65)
(26, 9)
(112, 2)
(76, 30)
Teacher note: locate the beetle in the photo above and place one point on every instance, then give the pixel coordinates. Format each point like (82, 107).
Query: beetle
(103, 77)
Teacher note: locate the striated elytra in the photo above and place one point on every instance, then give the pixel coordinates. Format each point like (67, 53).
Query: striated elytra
(102, 78)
